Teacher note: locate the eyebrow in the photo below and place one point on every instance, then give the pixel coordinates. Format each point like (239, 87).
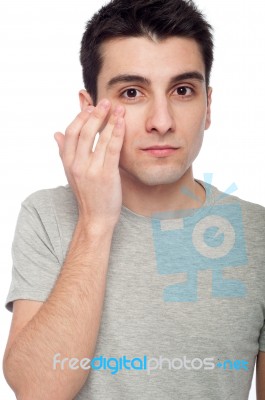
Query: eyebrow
(126, 78)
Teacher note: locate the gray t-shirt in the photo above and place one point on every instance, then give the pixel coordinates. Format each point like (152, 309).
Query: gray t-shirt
(184, 308)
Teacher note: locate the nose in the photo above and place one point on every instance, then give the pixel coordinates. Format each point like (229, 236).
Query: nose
(160, 118)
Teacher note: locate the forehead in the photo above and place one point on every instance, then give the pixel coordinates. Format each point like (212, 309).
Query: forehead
(158, 60)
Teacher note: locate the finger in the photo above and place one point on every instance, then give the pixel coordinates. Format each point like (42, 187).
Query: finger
(105, 137)
(59, 138)
(89, 131)
(72, 135)
(112, 156)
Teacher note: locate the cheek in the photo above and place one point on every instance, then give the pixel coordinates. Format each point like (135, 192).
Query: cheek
(132, 136)
(134, 114)
(127, 142)
(195, 122)
(132, 127)
(196, 136)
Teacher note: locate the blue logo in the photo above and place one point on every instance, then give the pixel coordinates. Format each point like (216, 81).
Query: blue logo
(211, 239)
(233, 365)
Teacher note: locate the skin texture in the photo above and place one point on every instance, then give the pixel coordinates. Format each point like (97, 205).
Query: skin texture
(157, 115)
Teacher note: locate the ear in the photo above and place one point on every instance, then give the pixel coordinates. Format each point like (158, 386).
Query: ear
(208, 114)
(85, 99)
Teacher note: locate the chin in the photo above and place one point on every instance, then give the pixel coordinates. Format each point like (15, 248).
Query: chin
(154, 175)
(159, 178)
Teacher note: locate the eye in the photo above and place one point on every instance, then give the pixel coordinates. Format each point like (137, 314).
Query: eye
(184, 91)
(130, 94)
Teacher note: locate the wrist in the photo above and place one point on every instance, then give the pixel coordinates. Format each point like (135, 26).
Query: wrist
(94, 229)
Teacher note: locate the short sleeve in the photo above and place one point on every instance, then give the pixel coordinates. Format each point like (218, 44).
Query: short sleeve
(34, 250)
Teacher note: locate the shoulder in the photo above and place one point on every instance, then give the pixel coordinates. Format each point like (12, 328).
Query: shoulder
(47, 204)
(253, 214)
(226, 198)
(44, 198)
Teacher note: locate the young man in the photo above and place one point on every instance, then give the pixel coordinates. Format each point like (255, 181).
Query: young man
(137, 280)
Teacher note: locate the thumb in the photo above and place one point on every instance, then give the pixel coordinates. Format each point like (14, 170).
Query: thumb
(59, 138)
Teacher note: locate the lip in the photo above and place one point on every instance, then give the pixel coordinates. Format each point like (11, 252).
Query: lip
(160, 147)
(159, 151)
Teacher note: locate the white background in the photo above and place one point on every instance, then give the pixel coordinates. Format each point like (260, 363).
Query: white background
(39, 83)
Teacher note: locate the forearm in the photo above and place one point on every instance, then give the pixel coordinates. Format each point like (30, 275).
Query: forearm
(67, 323)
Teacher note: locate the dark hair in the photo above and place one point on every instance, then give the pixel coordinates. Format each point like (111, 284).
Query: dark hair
(136, 18)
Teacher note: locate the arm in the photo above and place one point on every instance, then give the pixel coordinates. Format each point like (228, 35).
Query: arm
(260, 376)
(68, 322)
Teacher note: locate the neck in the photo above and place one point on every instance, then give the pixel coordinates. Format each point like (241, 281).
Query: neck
(145, 200)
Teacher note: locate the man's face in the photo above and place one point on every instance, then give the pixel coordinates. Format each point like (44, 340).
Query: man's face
(162, 107)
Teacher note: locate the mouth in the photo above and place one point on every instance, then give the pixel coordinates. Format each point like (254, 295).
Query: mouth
(161, 151)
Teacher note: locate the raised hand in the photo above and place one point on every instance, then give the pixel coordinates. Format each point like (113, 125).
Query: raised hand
(94, 176)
